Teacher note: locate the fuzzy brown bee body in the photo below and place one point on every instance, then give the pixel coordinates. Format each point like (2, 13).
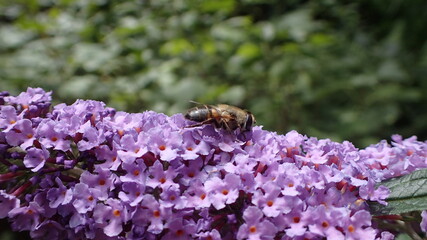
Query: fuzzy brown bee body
(222, 116)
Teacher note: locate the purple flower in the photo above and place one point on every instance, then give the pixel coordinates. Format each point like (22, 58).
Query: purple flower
(35, 102)
(8, 202)
(85, 198)
(123, 122)
(91, 137)
(135, 172)
(165, 143)
(290, 186)
(325, 221)
(59, 196)
(48, 229)
(3, 94)
(103, 181)
(369, 192)
(191, 172)
(171, 197)
(26, 218)
(180, 229)
(22, 134)
(295, 222)
(36, 158)
(241, 164)
(9, 117)
(194, 148)
(131, 149)
(271, 203)
(386, 236)
(109, 156)
(111, 216)
(53, 134)
(196, 196)
(85, 171)
(358, 226)
(132, 193)
(161, 177)
(255, 227)
(212, 235)
(31, 96)
(223, 191)
(151, 214)
(423, 224)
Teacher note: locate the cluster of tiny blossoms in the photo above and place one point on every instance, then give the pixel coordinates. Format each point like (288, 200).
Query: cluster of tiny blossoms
(85, 171)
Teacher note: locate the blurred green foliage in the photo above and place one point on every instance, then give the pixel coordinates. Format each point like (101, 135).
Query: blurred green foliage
(346, 70)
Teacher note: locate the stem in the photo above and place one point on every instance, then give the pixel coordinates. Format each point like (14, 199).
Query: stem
(5, 162)
(66, 178)
(409, 230)
(75, 172)
(22, 188)
(10, 175)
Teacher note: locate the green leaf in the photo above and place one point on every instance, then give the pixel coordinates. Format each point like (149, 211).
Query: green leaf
(177, 47)
(408, 193)
(217, 5)
(403, 237)
(248, 50)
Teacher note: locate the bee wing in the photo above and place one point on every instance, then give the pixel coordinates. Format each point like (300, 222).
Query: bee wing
(196, 102)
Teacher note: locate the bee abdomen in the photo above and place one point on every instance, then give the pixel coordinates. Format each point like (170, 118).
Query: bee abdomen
(198, 114)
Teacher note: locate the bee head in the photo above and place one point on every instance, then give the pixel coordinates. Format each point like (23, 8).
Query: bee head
(250, 120)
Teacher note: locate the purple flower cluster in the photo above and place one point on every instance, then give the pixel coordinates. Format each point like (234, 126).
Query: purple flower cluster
(85, 171)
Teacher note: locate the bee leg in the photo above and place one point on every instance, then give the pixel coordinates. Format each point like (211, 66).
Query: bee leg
(226, 126)
(217, 124)
(200, 124)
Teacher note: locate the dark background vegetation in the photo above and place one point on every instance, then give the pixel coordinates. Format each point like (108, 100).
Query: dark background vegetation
(345, 70)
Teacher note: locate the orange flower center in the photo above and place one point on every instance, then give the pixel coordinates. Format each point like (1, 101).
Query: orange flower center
(179, 232)
(116, 213)
(252, 229)
(325, 224)
(121, 132)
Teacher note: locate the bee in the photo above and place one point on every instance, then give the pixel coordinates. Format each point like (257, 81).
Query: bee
(222, 116)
